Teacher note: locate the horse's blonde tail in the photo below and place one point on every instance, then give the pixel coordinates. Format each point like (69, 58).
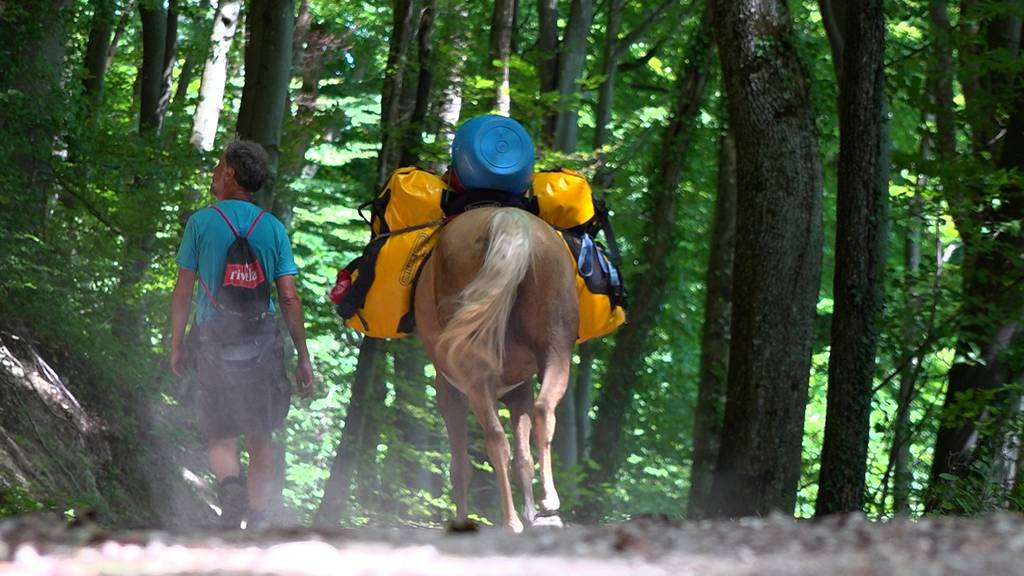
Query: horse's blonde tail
(477, 329)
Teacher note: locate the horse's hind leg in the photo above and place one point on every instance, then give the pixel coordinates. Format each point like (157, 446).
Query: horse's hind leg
(453, 409)
(520, 406)
(553, 385)
(485, 407)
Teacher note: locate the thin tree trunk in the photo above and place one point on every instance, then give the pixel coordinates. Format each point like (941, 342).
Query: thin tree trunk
(862, 215)
(900, 453)
(188, 68)
(565, 443)
(339, 483)
(616, 399)
(122, 23)
(501, 51)
(547, 47)
(303, 25)
(449, 108)
(318, 44)
(584, 387)
(567, 128)
(154, 34)
(609, 66)
(268, 61)
(100, 29)
(170, 57)
(33, 51)
(391, 97)
(1007, 458)
(714, 350)
(411, 401)
(833, 16)
(424, 84)
(215, 75)
(572, 55)
(777, 267)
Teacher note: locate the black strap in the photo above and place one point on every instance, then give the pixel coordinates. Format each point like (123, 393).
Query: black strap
(355, 296)
(606, 225)
(459, 202)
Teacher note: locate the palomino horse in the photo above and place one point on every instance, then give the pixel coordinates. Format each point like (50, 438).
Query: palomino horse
(496, 304)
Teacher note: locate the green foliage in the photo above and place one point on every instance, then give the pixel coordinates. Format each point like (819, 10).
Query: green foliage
(16, 500)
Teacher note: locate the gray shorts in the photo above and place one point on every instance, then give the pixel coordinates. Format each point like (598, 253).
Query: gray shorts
(243, 385)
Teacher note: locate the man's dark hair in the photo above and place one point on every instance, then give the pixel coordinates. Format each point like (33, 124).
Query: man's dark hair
(249, 160)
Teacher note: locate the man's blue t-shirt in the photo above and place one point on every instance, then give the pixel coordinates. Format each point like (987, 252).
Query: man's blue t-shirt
(204, 247)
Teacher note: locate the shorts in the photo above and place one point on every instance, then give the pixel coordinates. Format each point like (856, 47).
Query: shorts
(243, 386)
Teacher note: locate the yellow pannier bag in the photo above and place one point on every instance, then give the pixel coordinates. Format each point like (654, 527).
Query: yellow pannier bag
(598, 285)
(563, 198)
(406, 216)
(411, 197)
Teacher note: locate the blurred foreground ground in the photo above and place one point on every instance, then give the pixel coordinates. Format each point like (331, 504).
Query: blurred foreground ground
(989, 546)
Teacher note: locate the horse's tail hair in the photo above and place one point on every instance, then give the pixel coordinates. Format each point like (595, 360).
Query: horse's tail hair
(477, 329)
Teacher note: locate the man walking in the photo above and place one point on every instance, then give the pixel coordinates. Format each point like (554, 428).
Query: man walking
(233, 249)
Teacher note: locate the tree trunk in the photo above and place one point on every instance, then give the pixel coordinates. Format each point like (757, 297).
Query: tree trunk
(565, 443)
(122, 23)
(834, 17)
(100, 29)
(714, 350)
(318, 44)
(303, 25)
(572, 55)
(501, 51)
(339, 483)
(547, 47)
(33, 53)
(390, 102)
(862, 215)
(188, 68)
(410, 403)
(424, 85)
(170, 57)
(449, 108)
(609, 66)
(611, 55)
(777, 266)
(215, 75)
(991, 30)
(151, 73)
(616, 399)
(567, 128)
(990, 313)
(902, 477)
(268, 62)
(584, 389)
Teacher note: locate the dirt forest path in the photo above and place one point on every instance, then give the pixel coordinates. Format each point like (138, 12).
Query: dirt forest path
(991, 546)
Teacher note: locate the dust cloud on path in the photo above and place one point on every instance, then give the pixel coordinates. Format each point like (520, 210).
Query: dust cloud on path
(991, 546)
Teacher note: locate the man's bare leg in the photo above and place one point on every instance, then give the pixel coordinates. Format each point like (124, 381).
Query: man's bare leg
(223, 456)
(261, 470)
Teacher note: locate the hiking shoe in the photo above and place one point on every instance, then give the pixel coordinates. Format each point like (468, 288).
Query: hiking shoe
(233, 502)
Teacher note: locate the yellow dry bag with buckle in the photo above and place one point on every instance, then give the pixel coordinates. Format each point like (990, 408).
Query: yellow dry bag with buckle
(405, 217)
(563, 198)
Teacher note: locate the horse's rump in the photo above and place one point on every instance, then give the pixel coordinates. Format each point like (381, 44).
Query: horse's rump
(499, 272)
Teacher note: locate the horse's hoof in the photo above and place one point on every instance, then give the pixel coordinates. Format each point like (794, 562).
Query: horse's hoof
(462, 526)
(550, 521)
